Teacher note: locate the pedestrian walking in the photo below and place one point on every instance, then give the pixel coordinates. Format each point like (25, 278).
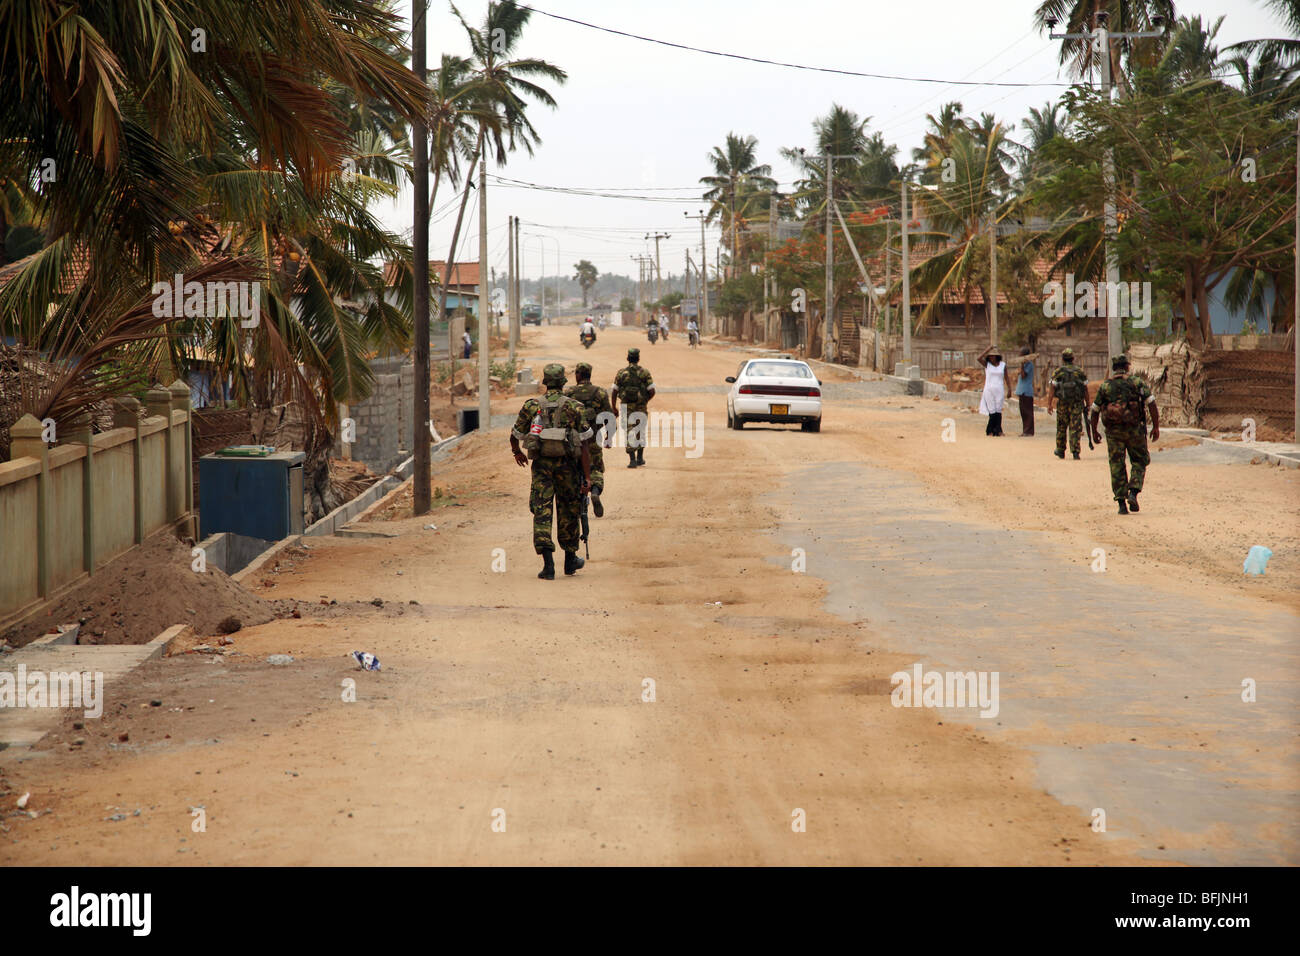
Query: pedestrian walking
(1069, 391)
(1123, 401)
(635, 387)
(995, 389)
(1025, 394)
(595, 403)
(467, 344)
(556, 439)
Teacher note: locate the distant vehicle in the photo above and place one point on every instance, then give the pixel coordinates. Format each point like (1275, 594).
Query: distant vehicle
(782, 391)
(532, 314)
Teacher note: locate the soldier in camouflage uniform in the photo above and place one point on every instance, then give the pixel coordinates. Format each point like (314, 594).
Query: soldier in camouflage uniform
(564, 479)
(635, 387)
(595, 402)
(1069, 389)
(1122, 402)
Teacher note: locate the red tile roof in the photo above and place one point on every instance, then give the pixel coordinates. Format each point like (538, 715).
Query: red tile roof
(464, 275)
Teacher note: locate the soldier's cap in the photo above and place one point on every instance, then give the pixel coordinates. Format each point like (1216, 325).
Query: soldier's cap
(553, 374)
(1119, 362)
(633, 355)
(1068, 354)
(582, 368)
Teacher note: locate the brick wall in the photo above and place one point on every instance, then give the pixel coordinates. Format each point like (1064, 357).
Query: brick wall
(383, 421)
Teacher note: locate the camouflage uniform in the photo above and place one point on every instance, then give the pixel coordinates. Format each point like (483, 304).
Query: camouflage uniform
(554, 479)
(1069, 414)
(636, 379)
(1128, 439)
(595, 400)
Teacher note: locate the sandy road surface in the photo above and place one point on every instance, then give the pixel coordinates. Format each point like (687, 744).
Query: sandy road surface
(501, 692)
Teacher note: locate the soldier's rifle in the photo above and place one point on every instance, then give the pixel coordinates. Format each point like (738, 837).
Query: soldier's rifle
(586, 527)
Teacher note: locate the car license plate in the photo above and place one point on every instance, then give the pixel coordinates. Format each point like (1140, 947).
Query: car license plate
(780, 409)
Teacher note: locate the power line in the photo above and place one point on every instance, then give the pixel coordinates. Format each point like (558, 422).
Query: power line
(791, 66)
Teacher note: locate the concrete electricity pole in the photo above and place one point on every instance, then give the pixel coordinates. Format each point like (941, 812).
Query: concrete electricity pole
(993, 279)
(907, 284)
(510, 284)
(1101, 38)
(768, 279)
(519, 281)
(421, 487)
(484, 303)
(889, 295)
(830, 334)
(658, 273)
(640, 281)
(704, 274)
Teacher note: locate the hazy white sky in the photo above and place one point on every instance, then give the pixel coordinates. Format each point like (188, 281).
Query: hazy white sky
(643, 117)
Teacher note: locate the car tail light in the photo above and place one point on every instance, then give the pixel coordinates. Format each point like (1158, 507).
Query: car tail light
(800, 390)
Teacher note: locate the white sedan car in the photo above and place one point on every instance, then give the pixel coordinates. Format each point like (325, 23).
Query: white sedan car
(784, 391)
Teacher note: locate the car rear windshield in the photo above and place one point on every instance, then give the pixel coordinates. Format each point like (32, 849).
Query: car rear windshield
(778, 370)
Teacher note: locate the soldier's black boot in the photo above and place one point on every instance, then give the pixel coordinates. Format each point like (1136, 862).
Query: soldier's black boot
(1076, 456)
(631, 458)
(640, 456)
(548, 566)
(1123, 508)
(1059, 453)
(571, 563)
(1133, 501)
(597, 508)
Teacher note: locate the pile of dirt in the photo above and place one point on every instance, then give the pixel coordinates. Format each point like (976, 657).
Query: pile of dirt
(144, 592)
(961, 379)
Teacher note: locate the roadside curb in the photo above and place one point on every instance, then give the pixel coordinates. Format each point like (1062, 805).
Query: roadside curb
(23, 727)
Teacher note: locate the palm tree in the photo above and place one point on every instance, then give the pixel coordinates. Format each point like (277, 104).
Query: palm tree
(938, 139)
(500, 88)
(1041, 126)
(959, 212)
(1284, 51)
(225, 165)
(735, 166)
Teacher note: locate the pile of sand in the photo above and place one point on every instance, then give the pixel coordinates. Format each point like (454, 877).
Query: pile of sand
(144, 592)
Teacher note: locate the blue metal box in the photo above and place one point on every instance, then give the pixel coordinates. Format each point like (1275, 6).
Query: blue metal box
(256, 497)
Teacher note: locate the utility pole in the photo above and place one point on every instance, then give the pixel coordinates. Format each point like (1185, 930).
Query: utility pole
(829, 331)
(510, 284)
(1295, 319)
(519, 282)
(704, 274)
(1101, 38)
(907, 284)
(484, 304)
(768, 279)
(421, 490)
(993, 279)
(889, 295)
(640, 278)
(658, 272)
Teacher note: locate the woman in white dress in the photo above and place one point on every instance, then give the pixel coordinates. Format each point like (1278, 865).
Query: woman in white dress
(995, 389)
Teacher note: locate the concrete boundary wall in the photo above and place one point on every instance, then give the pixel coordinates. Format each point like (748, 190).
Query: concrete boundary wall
(68, 508)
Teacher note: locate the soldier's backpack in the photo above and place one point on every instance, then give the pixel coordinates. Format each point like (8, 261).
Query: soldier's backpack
(1124, 406)
(546, 439)
(632, 390)
(1071, 385)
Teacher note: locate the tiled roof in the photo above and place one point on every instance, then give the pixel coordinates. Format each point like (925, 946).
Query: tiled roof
(463, 274)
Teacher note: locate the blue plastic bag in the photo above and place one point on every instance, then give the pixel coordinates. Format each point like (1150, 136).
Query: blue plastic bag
(1257, 559)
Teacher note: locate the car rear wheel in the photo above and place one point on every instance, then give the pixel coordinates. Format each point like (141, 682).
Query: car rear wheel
(813, 426)
(737, 423)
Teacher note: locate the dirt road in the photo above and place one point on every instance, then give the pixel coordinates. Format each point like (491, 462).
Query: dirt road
(509, 701)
